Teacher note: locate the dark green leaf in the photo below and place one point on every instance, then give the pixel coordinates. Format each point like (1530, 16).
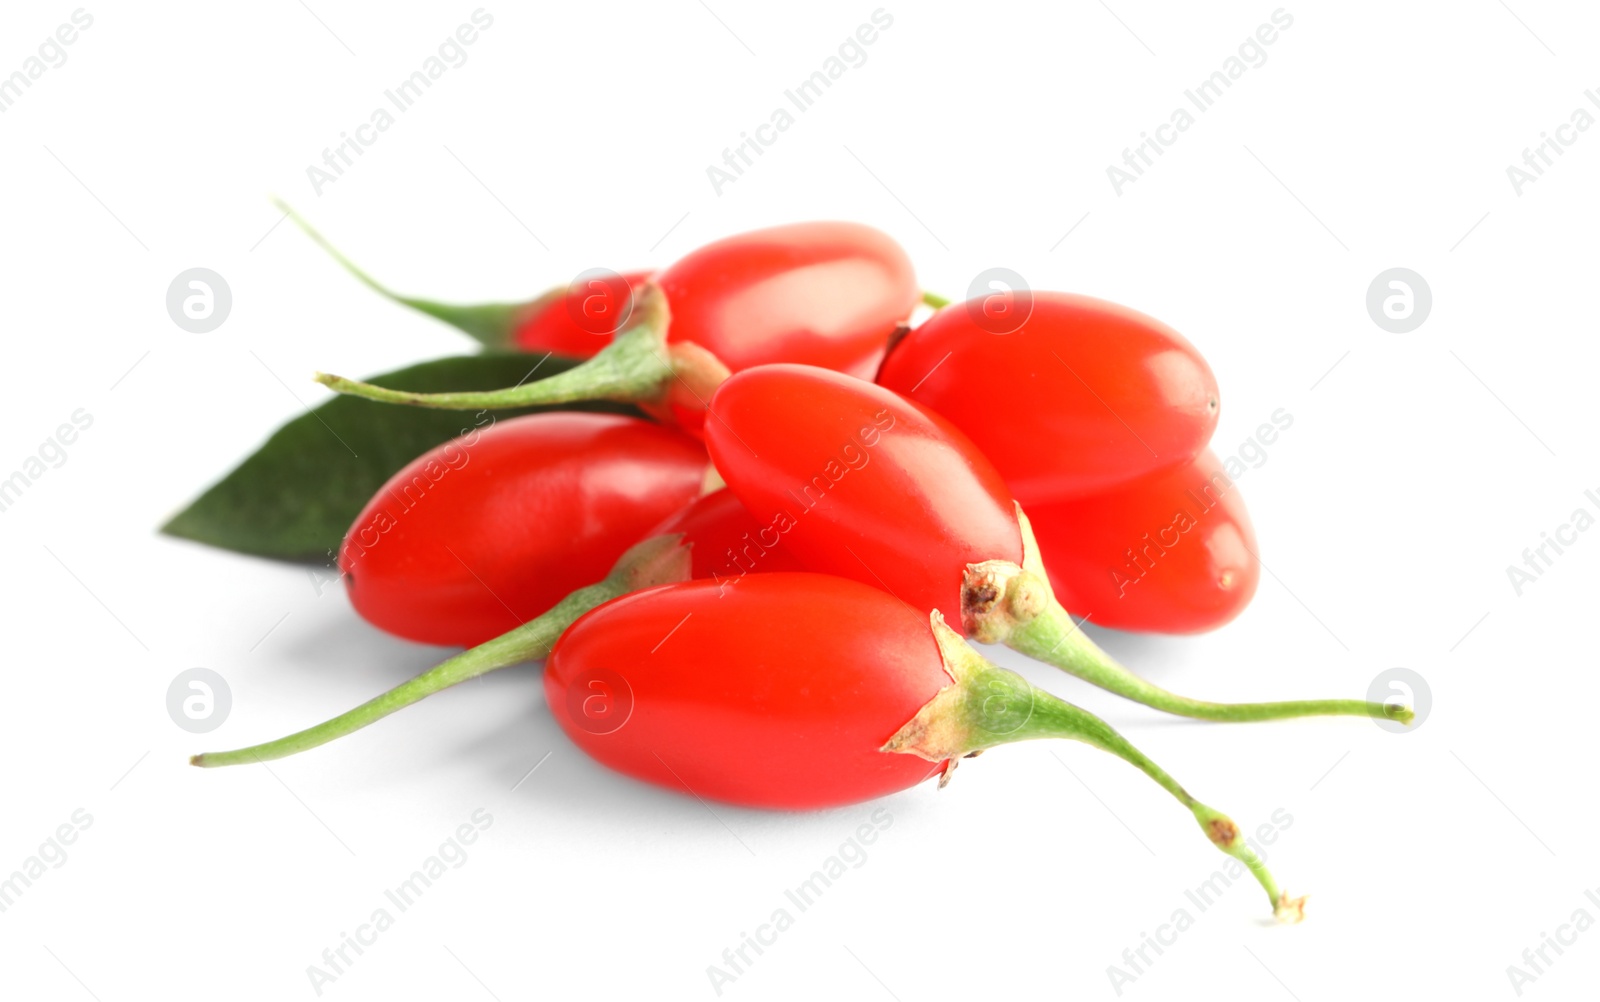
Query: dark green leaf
(296, 495)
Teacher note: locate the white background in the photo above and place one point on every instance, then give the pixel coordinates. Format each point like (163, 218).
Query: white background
(1419, 466)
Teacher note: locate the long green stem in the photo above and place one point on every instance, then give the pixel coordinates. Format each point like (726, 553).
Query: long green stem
(935, 300)
(1014, 605)
(1056, 718)
(989, 706)
(528, 642)
(491, 323)
(637, 366)
(658, 560)
(1055, 638)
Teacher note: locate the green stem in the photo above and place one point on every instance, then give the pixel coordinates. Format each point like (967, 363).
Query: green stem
(935, 300)
(1014, 605)
(1056, 718)
(637, 366)
(493, 324)
(1055, 638)
(528, 642)
(989, 706)
(658, 560)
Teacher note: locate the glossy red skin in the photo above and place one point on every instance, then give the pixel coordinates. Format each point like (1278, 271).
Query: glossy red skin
(549, 324)
(1192, 565)
(826, 294)
(726, 541)
(509, 523)
(877, 488)
(1084, 396)
(775, 694)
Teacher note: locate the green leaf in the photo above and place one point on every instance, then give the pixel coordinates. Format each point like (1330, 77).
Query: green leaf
(297, 494)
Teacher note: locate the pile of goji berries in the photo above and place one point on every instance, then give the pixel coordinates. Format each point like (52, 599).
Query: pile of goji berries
(762, 589)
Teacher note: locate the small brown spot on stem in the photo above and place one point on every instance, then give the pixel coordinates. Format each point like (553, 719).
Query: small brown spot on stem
(1222, 831)
(981, 597)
